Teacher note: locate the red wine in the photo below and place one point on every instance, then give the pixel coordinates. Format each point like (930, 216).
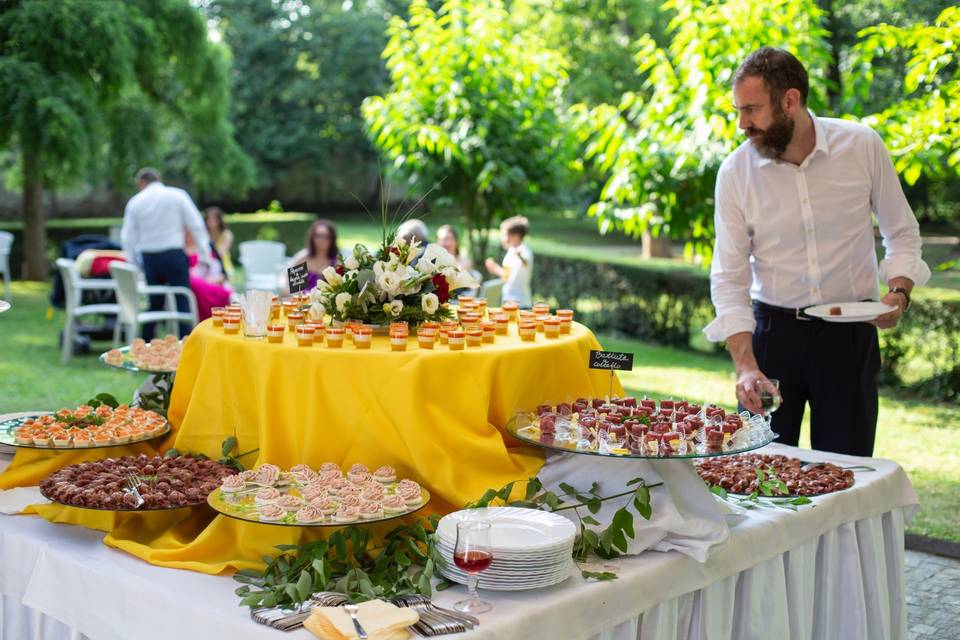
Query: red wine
(473, 561)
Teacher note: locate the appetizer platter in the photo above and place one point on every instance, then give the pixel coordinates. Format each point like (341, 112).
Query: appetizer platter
(629, 428)
(738, 474)
(135, 483)
(160, 355)
(85, 427)
(326, 497)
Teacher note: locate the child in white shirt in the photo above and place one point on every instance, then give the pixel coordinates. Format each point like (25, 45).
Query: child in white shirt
(517, 267)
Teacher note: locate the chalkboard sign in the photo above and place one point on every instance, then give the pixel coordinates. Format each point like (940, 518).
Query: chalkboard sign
(618, 360)
(297, 276)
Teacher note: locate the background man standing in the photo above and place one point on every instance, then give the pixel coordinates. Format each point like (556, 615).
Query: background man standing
(154, 224)
(794, 222)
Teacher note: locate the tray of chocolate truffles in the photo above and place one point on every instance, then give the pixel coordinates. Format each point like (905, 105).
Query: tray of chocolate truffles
(136, 483)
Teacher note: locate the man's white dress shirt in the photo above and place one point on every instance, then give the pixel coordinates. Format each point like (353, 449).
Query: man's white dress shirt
(795, 236)
(154, 220)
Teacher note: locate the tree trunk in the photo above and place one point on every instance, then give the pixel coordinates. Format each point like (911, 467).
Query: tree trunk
(655, 246)
(34, 226)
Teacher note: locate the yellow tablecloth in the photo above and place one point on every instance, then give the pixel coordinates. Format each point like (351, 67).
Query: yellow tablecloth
(437, 416)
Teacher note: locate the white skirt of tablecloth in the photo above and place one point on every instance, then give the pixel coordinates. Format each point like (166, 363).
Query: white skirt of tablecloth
(846, 584)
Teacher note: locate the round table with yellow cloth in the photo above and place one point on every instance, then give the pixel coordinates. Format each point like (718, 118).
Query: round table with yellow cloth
(436, 416)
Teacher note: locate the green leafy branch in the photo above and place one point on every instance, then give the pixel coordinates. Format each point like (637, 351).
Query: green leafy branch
(607, 543)
(159, 400)
(350, 562)
(769, 488)
(227, 449)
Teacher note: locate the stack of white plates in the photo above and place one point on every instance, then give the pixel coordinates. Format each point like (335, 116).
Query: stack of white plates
(531, 549)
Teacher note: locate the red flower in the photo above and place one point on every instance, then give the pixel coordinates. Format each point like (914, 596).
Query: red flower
(441, 287)
(340, 270)
(395, 251)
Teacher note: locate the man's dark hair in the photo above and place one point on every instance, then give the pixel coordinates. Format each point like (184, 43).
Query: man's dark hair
(148, 175)
(780, 71)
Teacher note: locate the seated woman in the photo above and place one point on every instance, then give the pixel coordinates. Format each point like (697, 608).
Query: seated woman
(321, 251)
(208, 283)
(220, 237)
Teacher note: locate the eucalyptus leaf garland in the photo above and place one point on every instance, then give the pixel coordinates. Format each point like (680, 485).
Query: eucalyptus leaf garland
(350, 561)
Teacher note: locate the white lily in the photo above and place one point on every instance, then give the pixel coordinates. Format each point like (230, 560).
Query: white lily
(430, 303)
(351, 263)
(342, 300)
(457, 279)
(317, 312)
(332, 277)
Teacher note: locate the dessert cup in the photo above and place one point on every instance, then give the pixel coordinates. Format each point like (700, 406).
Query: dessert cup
(528, 331)
(426, 337)
(335, 337)
(294, 319)
(551, 326)
(275, 333)
(304, 335)
(474, 337)
(456, 339)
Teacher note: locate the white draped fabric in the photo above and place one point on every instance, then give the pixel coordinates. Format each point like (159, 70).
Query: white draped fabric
(831, 571)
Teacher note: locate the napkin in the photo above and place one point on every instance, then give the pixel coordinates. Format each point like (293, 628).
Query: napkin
(686, 516)
(16, 500)
(381, 620)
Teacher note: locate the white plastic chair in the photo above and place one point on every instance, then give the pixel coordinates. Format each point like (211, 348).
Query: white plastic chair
(492, 290)
(263, 261)
(73, 288)
(6, 242)
(131, 295)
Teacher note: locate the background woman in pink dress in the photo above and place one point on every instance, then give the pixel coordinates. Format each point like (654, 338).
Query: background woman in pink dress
(209, 284)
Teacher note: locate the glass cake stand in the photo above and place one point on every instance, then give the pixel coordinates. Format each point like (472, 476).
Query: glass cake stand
(523, 427)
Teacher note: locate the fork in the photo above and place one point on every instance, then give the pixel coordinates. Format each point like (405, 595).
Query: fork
(806, 466)
(418, 601)
(352, 610)
(133, 483)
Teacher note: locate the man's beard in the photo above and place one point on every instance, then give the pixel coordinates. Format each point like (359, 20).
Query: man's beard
(773, 141)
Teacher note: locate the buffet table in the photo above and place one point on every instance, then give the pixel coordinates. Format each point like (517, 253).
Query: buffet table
(436, 416)
(834, 570)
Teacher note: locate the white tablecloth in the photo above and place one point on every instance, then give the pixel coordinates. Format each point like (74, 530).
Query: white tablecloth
(833, 571)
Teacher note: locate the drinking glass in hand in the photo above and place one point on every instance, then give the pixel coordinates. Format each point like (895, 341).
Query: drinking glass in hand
(472, 555)
(769, 392)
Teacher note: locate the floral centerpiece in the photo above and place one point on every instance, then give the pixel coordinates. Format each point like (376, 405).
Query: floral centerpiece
(398, 282)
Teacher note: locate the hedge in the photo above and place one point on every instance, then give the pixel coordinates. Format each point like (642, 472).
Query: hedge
(665, 305)
(671, 307)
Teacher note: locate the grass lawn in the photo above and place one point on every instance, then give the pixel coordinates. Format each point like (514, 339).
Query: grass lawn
(919, 436)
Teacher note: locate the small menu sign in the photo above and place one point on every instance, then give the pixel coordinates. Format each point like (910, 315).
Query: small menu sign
(297, 277)
(620, 361)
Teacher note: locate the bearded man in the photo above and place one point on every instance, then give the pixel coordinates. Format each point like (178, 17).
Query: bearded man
(795, 208)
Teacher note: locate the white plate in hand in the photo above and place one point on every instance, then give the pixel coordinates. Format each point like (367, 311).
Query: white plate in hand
(850, 311)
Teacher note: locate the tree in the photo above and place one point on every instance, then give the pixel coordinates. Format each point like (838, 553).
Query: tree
(662, 145)
(474, 110)
(89, 89)
(596, 37)
(300, 72)
(922, 127)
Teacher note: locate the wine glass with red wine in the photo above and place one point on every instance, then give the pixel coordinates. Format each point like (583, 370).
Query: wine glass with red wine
(472, 554)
